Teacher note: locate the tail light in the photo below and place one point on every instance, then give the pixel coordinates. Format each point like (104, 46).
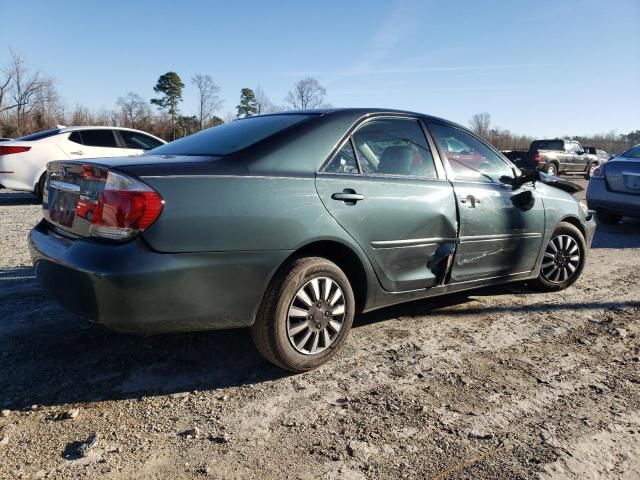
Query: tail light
(598, 172)
(9, 149)
(536, 157)
(125, 208)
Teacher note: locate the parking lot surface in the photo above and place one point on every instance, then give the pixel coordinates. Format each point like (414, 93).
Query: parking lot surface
(494, 383)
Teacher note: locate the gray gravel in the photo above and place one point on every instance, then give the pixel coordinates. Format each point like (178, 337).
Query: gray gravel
(497, 383)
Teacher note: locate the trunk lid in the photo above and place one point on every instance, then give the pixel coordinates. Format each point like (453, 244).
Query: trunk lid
(73, 188)
(623, 175)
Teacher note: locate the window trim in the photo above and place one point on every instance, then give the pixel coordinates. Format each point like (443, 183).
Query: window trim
(450, 173)
(360, 123)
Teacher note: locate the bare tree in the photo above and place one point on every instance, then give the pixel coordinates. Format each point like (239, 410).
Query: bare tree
(265, 105)
(208, 99)
(5, 84)
(307, 93)
(135, 110)
(480, 123)
(28, 90)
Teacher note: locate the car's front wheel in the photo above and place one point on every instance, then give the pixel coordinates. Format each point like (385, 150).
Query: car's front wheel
(305, 316)
(564, 259)
(590, 170)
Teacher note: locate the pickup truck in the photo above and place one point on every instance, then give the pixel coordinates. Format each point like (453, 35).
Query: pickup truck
(555, 157)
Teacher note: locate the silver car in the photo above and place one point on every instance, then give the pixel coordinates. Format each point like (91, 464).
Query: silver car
(614, 188)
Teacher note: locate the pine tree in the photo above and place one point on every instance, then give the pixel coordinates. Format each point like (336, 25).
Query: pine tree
(170, 86)
(248, 104)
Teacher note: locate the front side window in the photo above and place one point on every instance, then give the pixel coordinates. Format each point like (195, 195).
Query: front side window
(468, 157)
(139, 141)
(344, 161)
(394, 147)
(99, 138)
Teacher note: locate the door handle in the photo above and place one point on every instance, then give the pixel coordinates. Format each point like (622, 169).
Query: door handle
(77, 152)
(348, 196)
(471, 200)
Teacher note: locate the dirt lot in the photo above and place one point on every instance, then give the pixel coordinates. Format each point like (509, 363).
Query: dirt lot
(495, 383)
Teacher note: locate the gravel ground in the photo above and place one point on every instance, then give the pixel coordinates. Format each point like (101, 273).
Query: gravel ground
(497, 383)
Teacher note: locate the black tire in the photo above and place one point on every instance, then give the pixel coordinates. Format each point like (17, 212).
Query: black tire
(39, 192)
(608, 218)
(552, 169)
(270, 331)
(546, 281)
(592, 166)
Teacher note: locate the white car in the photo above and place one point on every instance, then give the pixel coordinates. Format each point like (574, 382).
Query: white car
(23, 161)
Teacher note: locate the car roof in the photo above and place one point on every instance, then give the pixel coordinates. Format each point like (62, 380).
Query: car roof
(356, 110)
(97, 127)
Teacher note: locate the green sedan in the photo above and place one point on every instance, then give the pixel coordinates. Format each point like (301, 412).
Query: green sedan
(293, 223)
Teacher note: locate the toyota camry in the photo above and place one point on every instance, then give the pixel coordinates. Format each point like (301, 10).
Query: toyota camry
(293, 223)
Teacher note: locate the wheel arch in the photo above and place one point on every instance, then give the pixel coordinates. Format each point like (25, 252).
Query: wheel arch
(575, 221)
(38, 177)
(345, 257)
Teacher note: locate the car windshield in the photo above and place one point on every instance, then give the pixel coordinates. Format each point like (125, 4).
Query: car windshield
(230, 137)
(633, 152)
(39, 135)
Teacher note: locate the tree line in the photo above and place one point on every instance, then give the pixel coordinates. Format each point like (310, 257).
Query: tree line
(30, 102)
(504, 139)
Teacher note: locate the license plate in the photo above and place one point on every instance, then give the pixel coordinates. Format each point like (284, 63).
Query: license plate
(62, 206)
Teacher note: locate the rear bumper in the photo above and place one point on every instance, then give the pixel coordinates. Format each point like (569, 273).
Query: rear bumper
(129, 287)
(599, 198)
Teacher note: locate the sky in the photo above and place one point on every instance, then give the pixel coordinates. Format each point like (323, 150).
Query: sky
(538, 67)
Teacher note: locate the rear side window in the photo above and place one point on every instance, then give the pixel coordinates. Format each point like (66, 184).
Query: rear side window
(394, 146)
(632, 152)
(344, 161)
(76, 137)
(548, 145)
(139, 140)
(99, 138)
(230, 137)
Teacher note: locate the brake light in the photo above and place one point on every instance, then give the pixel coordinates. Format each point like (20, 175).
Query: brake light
(9, 149)
(536, 157)
(598, 172)
(125, 208)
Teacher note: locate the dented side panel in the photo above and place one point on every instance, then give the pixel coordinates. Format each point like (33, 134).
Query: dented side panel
(404, 225)
(499, 236)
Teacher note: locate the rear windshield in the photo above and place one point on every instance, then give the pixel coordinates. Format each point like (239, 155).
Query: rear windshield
(229, 137)
(633, 152)
(547, 145)
(37, 136)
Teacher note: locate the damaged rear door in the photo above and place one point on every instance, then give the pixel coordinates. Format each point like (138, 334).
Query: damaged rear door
(384, 187)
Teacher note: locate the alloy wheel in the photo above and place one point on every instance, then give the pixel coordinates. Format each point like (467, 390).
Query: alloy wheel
(551, 170)
(561, 259)
(316, 316)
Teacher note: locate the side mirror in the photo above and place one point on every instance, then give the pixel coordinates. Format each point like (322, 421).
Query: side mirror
(517, 182)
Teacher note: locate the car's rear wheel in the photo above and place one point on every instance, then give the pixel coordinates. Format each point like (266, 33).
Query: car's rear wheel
(305, 316)
(552, 169)
(564, 259)
(608, 218)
